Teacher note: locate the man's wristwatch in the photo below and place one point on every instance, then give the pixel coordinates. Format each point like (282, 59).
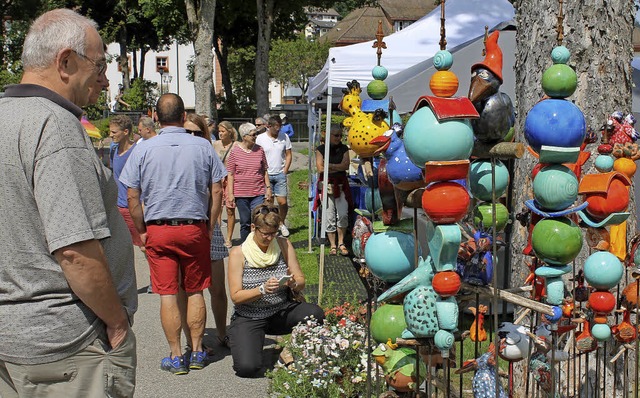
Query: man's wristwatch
(268, 187)
(261, 289)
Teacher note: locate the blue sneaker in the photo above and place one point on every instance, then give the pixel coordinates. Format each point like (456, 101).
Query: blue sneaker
(175, 365)
(197, 359)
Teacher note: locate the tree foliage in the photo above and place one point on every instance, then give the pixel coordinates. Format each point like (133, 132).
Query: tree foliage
(294, 62)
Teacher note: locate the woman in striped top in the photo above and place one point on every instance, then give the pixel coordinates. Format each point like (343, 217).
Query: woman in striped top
(247, 180)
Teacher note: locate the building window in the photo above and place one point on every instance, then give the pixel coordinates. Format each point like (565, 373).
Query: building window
(162, 63)
(399, 25)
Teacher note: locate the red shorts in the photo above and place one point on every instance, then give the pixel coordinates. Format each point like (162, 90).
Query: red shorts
(179, 250)
(135, 236)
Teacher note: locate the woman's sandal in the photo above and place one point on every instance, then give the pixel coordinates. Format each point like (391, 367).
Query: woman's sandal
(343, 250)
(333, 251)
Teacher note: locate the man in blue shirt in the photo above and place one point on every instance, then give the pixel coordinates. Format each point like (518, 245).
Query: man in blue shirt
(286, 127)
(178, 178)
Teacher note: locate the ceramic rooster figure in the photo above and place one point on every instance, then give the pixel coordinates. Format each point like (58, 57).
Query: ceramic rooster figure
(478, 323)
(484, 381)
(620, 128)
(363, 127)
(625, 332)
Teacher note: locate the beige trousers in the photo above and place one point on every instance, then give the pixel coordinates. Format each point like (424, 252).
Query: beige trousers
(95, 371)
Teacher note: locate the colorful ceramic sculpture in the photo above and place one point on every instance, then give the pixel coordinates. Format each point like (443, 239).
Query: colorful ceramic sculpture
(389, 255)
(363, 127)
(401, 171)
(484, 381)
(399, 367)
(476, 330)
(387, 323)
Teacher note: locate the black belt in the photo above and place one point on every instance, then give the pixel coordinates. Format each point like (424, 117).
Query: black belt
(175, 221)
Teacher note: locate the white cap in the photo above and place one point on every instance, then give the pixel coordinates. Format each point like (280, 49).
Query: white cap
(283, 115)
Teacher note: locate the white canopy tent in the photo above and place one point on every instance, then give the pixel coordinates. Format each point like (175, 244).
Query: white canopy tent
(465, 20)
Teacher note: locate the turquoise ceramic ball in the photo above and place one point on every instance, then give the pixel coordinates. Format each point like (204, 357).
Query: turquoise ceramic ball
(377, 89)
(604, 163)
(379, 72)
(387, 322)
(555, 122)
(443, 60)
(444, 340)
(555, 187)
(480, 179)
(426, 139)
(389, 255)
(601, 331)
(560, 55)
(603, 270)
(556, 240)
(559, 81)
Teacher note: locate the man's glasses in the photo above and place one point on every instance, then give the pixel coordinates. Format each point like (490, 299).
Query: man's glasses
(101, 65)
(197, 133)
(259, 124)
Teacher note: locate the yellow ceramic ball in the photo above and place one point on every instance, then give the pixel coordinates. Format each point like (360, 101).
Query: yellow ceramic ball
(444, 83)
(625, 166)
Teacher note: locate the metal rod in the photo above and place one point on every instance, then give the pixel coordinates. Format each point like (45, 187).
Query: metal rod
(494, 258)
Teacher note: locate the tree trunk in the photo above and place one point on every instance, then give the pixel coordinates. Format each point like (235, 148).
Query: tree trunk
(599, 40)
(200, 17)
(222, 54)
(123, 59)
(134, 62)
(143, 56)
(265, 23)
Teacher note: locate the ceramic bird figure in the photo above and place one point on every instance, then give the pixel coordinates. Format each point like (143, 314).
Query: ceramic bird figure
(514, 342)
(478, 324)
(621, 129)
(630, 295)
(475, 262)
(363, 127)
(625, 332)
(497, 115)
(401, 171)
(420, 304)
(484, 381)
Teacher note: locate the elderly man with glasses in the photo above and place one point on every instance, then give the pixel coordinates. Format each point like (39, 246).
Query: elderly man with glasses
(69, 287)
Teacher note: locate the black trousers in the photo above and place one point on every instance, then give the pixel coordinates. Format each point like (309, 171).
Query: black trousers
(246, 335)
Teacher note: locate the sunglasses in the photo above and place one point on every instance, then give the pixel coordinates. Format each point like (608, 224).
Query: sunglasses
(197, 133)
(259, 124)
(264, 210)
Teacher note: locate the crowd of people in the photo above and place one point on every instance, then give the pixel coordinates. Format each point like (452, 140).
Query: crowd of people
(69, 289)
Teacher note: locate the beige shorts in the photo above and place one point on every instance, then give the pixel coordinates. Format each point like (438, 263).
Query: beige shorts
(96, 371)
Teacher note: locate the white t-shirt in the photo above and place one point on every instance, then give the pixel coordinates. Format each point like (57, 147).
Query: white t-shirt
(274, 149)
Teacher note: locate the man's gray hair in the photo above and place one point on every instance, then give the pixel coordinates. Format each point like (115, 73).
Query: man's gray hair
(51, 32)
(147, 122)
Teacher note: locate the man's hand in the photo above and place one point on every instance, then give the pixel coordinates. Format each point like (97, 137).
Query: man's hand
(117, 334)
(143, 239)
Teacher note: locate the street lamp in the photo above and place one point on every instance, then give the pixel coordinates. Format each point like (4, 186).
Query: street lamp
(167, 80)
(161, 79)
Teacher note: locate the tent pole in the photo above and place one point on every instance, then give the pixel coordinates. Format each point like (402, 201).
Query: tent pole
(325, 178)
(313, 128)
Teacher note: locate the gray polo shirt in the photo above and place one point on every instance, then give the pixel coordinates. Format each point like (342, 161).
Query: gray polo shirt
(54, 192)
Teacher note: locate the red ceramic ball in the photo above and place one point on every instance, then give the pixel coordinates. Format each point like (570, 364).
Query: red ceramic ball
(446, 283)
(605, 149)
(445, 202)
(615, 200)
(602, 302)
(536, 169)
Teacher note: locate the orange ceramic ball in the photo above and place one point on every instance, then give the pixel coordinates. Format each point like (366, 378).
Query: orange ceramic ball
(444, 83)
(625, 166)
(446, 283)
(445, 202)
(602, 302)
(615, 200)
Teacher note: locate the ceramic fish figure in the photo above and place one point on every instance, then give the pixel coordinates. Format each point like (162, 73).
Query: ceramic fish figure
(484, 381)
(420, 304)
(401, 171)
(363, 127)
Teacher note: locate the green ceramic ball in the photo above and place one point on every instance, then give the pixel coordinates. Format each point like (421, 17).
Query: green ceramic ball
(387, 322)
(556, 240)
(559, 81)
(379, 72)
(482, 216)
(377, 89)
(555, 187)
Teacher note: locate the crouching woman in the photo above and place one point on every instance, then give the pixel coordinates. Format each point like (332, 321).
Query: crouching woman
(263, 299)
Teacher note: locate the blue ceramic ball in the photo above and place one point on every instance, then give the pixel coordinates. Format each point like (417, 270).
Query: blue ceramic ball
(557, 314)
(443, 60)
(379, 72)
(555, 122)
(604, 163)
(427, 139)
(560, 55)
(389, 255)
(601, 331)
(480, 179)
(555, 187)
(603, 270)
